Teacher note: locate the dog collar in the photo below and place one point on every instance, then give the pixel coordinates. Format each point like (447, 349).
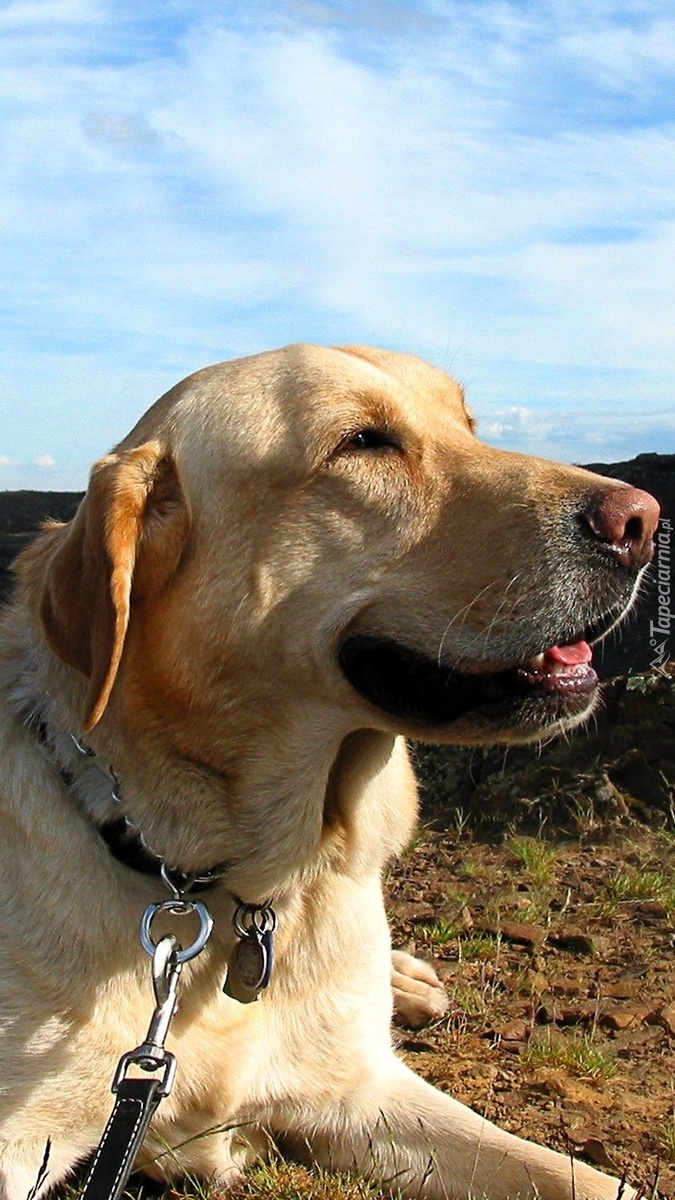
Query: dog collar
(95, 786)
(97, 789)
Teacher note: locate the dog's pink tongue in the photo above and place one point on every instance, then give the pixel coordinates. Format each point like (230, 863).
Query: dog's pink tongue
(578, 652)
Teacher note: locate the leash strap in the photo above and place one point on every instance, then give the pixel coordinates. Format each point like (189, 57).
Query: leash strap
(136, 1099)
(123, 1136)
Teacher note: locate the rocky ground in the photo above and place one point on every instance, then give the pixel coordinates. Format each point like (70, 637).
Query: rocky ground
(544, 889)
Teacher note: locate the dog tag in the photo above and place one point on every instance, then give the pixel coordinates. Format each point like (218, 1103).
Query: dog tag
(250, 964)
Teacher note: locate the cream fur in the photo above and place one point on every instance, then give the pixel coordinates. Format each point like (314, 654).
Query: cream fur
(187, 624)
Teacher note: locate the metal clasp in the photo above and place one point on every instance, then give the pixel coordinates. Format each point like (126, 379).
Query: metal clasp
(168, 957)
(152, 1055)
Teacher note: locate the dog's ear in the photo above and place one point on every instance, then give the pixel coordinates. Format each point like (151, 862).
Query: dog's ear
(122, 547)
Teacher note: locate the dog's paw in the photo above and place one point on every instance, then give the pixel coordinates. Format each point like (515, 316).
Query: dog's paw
(419, 995)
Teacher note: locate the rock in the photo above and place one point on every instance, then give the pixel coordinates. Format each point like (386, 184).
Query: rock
(536, 983)
(633, 775)
(652, 908)
(603, 946)
(624, 989)
(590, 1143)
(623, 1016)
(626, 1043)
(565, 1012)
(518, 932)
(563, 985)
(606, 793)
(463, 919)
(582, 1013)
(511, 1031)
(413, 913)
(416, 1045)
(574, 939)
(666, 1018)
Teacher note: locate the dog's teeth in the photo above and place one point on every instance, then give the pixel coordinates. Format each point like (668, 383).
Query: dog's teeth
(536, 662)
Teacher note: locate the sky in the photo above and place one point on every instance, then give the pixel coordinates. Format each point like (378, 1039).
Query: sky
(489, 185)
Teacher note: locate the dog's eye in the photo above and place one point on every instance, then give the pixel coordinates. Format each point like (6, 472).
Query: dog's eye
(368, 439)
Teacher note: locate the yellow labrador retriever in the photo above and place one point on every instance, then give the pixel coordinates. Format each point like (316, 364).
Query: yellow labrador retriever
(291, 563)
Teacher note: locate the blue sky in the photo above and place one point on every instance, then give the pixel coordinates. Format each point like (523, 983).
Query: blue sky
(488, 185)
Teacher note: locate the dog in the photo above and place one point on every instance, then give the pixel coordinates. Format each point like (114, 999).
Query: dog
(293, 562)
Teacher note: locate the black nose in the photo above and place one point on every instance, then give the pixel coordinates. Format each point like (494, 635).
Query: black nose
(624, 520)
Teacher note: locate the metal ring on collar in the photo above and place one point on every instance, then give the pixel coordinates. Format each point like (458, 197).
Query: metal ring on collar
(254, 918)
(178, 908)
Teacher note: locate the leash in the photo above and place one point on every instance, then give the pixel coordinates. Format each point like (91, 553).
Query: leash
(136, 1099)
(249, 968)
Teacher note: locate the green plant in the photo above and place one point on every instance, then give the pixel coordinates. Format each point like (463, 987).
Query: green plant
(668, 1138)
(282, 1180)
(460, 820)
(579, 1054)
(478, 948)
(635, 886)
(535, 856)
(440, 932)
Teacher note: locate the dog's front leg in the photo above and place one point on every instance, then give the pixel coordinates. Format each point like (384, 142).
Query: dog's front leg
(420, 1142)
(32, 1168)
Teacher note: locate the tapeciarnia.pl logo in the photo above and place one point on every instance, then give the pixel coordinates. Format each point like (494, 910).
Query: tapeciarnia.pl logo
(660, 629)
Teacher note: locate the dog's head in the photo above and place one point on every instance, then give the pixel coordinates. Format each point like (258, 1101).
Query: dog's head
(323, 527)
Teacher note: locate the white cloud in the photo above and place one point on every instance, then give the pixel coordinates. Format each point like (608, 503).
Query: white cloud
(573, 433)
(625, 56)
(5, 461)
(21, 14)
(468, 182)
(44, 460)
(118, 129)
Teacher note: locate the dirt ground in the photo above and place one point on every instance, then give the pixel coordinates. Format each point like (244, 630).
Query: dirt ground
(543, 886)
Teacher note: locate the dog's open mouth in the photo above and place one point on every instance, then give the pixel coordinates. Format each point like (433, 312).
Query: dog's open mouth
(552, 685)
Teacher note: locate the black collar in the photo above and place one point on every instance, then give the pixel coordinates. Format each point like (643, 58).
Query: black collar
(124, 840)
(126, 843)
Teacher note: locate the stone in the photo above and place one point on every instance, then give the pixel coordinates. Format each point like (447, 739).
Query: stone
(666, 1018)
(624, 989)
(511, 1031)
(589, 1141)
(564, 985)
(518, 932)
(574, 939)
(623, 1016)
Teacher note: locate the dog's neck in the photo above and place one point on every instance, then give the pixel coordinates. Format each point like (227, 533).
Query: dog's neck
(99, 794)
(282, 809)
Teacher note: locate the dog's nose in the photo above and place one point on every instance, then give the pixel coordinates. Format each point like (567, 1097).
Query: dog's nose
(624, 520)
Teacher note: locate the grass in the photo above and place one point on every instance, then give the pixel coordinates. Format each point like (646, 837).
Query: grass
(668, 1139)
(479, 948)
(535, 856)
(580, 1054)
(446, 930)
(636, 886)
(282, 1180)
(440, 932)
(471, 947)
(277, 1179)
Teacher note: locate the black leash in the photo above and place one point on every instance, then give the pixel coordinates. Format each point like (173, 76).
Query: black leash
(136, 1099)
(134, 1108)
